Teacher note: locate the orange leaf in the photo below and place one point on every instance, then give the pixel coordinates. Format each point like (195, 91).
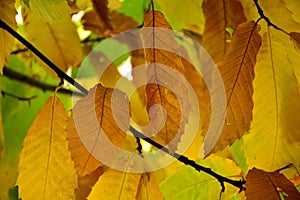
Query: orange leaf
(268, 185)
(220, 15)
(165, 83)
(237, 71)
(148, 188)
(92, 122)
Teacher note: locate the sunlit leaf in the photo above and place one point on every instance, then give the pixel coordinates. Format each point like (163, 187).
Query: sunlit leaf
(92, 120)
(115, 184)
(46, 170)
(187, 183)
(237, 71)
(49, 11)
(268, 185)
(273, 141)
(164, 68)
(7, 14)
(54, 39)
(220, 15)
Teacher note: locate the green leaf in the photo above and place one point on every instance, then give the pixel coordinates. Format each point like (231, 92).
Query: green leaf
(187, 183)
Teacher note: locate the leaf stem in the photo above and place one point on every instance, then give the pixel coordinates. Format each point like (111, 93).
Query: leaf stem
(39, 54)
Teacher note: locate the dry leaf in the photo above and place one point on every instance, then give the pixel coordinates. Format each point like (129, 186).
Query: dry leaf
(120, 23)
(220, 15)
(7, 14)
(237, 71)
(45, 163)
(268, 185)
(54, 39)
(93, 121)
(165, 85)
(296, 39)
(102, 11)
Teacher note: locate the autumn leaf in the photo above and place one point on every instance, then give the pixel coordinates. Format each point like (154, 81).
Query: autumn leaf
(114, 184)
(164, 87)
(296, 39)
(237, 71)
(220, 17)
(85, 184)
(269, 185)
(119, 21)
(276, 105)
(45, 163)
(7, 14)
(54, 39)
(92, 123)
(148, 188)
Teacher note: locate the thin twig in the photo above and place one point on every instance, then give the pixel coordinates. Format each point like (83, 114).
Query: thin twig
(28, 99)
(9, 73)
(39, 54)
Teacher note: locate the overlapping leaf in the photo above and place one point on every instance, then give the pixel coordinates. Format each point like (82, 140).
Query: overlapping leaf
(46, 170)
(102, 11)
(237, 71)
(269, 185)
(148, 188)
(220, 16)
(7, 14)
(114, 184)
(165, 86)
(57, 40)
(92, 122)
(273, 140)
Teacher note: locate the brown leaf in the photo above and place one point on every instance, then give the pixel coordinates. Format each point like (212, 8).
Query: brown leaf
(120, 23)
(148, 188)
(237, 71)
(102, 11)
(7, 14)
(92, 122)
(165, 85)
(268, 185)
(86, 183)
(296, 39)
(220, 15)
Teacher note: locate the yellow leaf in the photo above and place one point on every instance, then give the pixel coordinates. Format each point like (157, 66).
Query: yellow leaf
(294, 7)
(267, 186)
(148, 188)
(46, 170)
(114, 184)
(165, 84)
(296, 39)
(7, 14)
(276, 109)
(226, 15)
(237, 71)
(92, 122)
(57, 40)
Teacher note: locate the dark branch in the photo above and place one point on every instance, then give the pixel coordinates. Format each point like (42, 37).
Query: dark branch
(9, 73)
(39, 54)
(263, 16)
(237, 183)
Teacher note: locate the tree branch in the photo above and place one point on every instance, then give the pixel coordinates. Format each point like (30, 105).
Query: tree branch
(39, 54)
(239, 184)
(4, 93)
(9, 73)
